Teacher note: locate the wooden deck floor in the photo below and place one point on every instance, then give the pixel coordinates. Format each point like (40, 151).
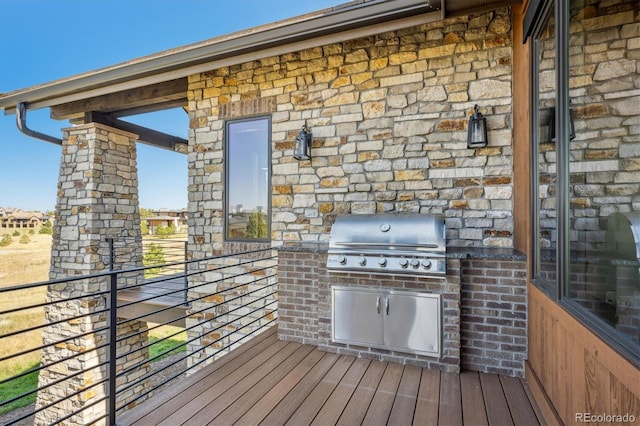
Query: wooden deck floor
(271, 382)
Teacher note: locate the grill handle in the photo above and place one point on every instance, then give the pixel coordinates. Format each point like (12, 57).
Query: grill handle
(378, 304)
(359, 244)
(386, 305)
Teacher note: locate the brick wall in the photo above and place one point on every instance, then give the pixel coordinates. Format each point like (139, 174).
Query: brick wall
(298, 287)
(305, 307)
(484, 310)
(494, 316)
(449, 288)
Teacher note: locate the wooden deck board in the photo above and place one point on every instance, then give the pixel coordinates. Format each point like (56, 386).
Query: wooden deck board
(521, 412)
(405, 402)
(356, 409)
(231, 413)
(271, 399)
(223, 397)
(450, 408)
(332, 409)
(312, 405)
(473, 409)
(195, 403)
(272, 382)
(427, 406)
(380, 409)
(172, 400)
(285, 408)
(495, 401)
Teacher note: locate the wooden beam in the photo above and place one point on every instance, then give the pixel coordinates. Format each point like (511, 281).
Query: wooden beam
(178, 103)
(174, 92)
(145, 135)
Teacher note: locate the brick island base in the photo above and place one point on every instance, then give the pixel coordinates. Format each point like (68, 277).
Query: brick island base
(484, 313)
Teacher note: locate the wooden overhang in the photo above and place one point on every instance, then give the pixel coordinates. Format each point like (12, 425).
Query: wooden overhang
(108, 109)
(159, 81)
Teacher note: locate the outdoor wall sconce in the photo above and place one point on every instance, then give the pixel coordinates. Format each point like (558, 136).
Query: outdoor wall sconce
(552, 125)
(477, 131)
(303, 145)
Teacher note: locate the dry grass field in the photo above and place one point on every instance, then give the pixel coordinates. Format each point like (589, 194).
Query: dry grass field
(25, 263)
(22, 263)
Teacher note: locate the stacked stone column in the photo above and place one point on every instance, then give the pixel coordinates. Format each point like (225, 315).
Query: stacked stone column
(97, 200)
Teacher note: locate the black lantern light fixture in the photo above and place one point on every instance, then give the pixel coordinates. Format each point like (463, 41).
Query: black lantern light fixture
(552, 125)
(303, 145)
(477, 131)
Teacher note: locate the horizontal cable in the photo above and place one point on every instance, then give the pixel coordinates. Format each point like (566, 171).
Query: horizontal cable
(201, 310)
(212, 330)
(192, 340)
(203, 359)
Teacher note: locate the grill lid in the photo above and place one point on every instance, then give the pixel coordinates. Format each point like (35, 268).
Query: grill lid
(384, 232)
(411, 244)
(623, 235)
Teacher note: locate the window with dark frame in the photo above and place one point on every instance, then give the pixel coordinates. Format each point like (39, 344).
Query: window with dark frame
(544, 155)
(586, 180)
(247, 179)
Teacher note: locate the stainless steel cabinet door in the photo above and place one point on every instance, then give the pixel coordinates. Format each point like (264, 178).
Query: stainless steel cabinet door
(412, 322)
(357, 316)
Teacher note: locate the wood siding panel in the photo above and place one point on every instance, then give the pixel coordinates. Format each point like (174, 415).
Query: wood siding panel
(521, 134)
(578, 372)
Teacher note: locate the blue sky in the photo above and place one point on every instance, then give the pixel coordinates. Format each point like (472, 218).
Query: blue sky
(44, 40)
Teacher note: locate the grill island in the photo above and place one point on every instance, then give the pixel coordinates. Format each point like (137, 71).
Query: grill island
(462, 307)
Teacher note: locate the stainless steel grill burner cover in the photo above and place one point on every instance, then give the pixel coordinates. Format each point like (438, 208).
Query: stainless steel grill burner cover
(411, 244)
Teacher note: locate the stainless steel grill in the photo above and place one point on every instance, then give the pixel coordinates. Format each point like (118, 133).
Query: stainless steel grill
(623, 244)
(408, 244)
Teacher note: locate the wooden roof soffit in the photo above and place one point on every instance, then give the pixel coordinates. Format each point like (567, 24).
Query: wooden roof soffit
(155, 97)
(145, 135)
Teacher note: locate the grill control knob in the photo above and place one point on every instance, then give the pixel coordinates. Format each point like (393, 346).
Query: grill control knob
(382, 262)
(426, 264)
(362, 260)
(404, 263)
(342, 260)
(415, 263)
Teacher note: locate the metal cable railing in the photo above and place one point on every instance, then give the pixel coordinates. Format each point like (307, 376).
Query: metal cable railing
(93, 345)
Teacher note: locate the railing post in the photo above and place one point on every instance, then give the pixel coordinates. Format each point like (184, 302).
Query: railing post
(186, 270)
(112, 255)
(113, 335)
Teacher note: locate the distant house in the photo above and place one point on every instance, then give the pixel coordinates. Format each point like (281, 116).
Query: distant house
(167, 217)
(12, 218)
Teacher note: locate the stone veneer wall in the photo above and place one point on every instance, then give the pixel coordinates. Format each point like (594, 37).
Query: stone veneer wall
(484, 310)
(230, 298)
(389, 120)
(97, 199)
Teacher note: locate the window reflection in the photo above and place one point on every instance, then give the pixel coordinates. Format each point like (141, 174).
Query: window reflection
(247, 183)
(546, 155)
(604, 164)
